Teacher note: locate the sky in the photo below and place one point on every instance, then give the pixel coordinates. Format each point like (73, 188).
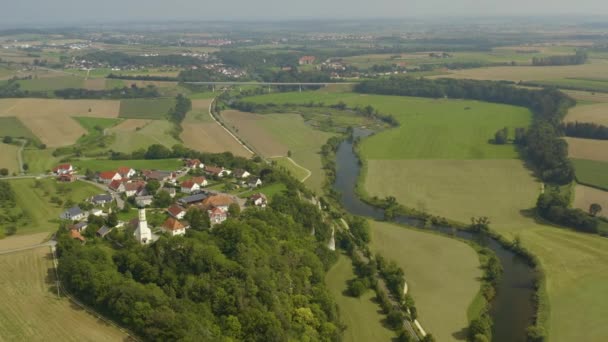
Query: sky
(31, 12)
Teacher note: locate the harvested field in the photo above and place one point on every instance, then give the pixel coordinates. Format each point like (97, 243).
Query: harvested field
(22, 241)
(199, 112)
(586, 96)
(250, 128)
(32, 311)
(95, 84)
(584, 196)
(52, 83)
(532, 73)
(54, 131)
(596, 113)
(211, 137)
(588, 149)
(8, 157)
(442, 278)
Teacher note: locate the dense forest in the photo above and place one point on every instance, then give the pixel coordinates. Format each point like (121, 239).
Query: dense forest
(541, 143)
(12, 88)
(585, 130)
(256, 277)
(579, 58)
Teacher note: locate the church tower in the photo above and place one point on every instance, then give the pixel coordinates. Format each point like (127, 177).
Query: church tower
(143, 234)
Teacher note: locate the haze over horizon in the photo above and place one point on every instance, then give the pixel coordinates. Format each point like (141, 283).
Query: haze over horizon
(31, 12)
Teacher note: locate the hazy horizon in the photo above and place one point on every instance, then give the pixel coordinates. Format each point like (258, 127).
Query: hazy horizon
(32, 12)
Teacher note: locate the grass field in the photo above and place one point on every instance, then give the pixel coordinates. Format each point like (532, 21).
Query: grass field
(591, 172)
(596, 113)
(199, 112)
(39, 161)
(13, 127)
(97, 165)
(8, 157)
(588, 149)
(91, 124)
(584, 196)
(443, 285)
(133, 134)
(297, 172)
(33, 199)
(362, 316)
(52, 83)
(587, 97)
(268, 190)
(146, 108)
(32, 311)
(588, 84)
(249, 126)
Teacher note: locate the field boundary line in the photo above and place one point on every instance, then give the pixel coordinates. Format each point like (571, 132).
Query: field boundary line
(86, 307)
(309, 173)
(227, 130)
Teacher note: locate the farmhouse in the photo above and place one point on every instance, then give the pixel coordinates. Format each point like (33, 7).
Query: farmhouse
(108, 176)
(217, 171)
(201, 181)
(126, 172)
(307, 60)
(137, 188)
(259, 200)
(63, 169)
(143, 201)
(177, 211)
(96, 212)
(117, 185)
(254, 182)
(240, 174)
(217, 216)
(80, 226)
(102, 199)
(174, 227)
(218, 201)
(194, 164)
(68, 178)
(193, 199)
(189, 187)
(73, 214)
(161, 176)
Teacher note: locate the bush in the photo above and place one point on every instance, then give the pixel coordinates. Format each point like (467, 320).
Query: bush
(356, 288)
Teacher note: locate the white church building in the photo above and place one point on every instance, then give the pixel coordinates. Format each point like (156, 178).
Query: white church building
(143, 234)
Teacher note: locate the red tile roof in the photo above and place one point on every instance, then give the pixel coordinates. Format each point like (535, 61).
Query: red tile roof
(213, 169)
(188, 184)
(124, 170)
(135, 186)
(115, 184)
(74, 234)
(62, 167)
(218, 201)
(107, 174)
(175, 210)
(173, 224)
(199, 180)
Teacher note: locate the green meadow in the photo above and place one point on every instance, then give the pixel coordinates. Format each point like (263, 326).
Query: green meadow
(591, 172)
(155, 109)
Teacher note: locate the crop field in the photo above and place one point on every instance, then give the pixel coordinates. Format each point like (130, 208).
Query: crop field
(133, 134)
(532, 73)
(21, 241)
(584, 196)
(211, 137)
(588, 84)
(32, 311)
(362, 316)
(146, 108)
(588, 149)
(199, 112)
(8, 157)
(33, 199)
(596, 113)
(92, 124)
(52, 83)
(13, 127)
(51, 120)
(441, 273)
(586, 96)
(591, 172)
(98, 165)
(249, 126)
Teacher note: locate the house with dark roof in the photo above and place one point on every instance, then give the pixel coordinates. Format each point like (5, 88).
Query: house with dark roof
(217, 171)
(240, 174)
(193, 199)
(80, 226)
(161, 176)
(73, 214)
(143, 201)
(102, 199)
(103, 231)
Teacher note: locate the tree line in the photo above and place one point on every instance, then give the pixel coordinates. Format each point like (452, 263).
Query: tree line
(257, 277)
(585, 130)
(541, 143)
(131, 92)
(580, 57)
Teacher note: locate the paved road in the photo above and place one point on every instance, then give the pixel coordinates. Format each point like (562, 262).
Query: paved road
(120, 203)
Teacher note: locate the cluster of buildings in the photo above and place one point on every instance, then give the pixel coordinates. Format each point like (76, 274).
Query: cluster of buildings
(186, 187)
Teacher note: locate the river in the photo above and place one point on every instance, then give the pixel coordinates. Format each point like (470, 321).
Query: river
(512, 309)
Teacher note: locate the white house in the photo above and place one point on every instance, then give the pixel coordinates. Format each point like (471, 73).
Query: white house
(217, 216)
(259, 200)
(108, 177)
(96, 212)
(190, 186)
(254, 182)
(117, 186)
(126, 172)
(194, 164)
(201, 181)
(73, 214)
(241, 174)
(63, 169)
(177, 211)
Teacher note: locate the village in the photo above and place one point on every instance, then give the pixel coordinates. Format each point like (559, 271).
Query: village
(190, 192)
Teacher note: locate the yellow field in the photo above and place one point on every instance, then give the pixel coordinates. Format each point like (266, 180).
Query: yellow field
(584, 196)
(443, 286)
(250, 128)
(531, 73)
(50, 120)
(588, 149)
(8, 157)
(211, 137)
(31, 310)
(596, 113)
(22, 241)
